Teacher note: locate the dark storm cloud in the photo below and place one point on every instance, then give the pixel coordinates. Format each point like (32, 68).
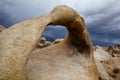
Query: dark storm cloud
(15, 11)
(101, 16)
(3, 15)
(104, 26)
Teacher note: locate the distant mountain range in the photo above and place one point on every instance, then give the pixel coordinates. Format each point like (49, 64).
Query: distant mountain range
(52, 33)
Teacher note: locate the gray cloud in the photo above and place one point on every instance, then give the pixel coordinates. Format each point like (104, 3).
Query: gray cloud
(105, 25)
(101, 16)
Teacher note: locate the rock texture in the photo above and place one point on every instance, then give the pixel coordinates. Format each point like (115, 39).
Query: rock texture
(107, 60)
(74, 56)
(114, 51)
(70, 59)
(108, 65)
(43, 43)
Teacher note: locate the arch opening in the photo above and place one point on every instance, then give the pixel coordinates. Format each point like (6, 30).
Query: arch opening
(53, 32)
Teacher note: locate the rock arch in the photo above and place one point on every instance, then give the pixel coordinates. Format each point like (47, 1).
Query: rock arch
(18, 41)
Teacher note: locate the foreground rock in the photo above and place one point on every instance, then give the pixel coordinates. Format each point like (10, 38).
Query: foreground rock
(108, 65)
(107, 60)
(71, 59)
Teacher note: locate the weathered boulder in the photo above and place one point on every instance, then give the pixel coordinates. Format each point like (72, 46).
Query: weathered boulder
(71, 59)
(108, 66)
(114, 50)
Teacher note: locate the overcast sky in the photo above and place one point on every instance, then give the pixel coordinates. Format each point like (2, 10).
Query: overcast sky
(102, 17)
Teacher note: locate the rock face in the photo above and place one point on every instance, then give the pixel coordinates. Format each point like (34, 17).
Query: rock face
(70, 59)
(107, 59)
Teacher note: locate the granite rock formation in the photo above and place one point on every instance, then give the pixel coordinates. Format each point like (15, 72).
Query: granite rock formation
(70, 59)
